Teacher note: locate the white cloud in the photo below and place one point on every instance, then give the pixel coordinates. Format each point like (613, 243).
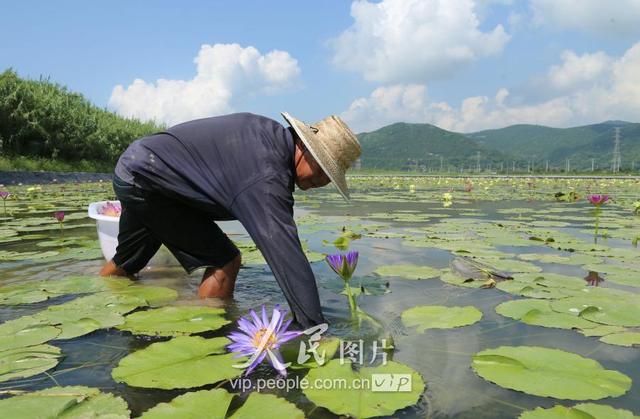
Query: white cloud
(610, 17)
(399, 41)
(578, 70)
(606, 88)
(389, 104)
(224, 73)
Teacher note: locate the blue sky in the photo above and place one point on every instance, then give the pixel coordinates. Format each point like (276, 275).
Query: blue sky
(460, 64)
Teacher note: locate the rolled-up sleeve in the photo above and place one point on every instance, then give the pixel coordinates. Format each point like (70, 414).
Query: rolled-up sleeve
(265, 209)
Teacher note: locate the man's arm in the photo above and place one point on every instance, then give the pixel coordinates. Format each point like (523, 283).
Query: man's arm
(265, 209)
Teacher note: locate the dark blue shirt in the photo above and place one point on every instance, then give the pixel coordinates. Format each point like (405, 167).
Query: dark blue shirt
(238, 166)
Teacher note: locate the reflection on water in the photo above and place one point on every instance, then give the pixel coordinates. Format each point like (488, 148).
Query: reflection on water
(443, 357)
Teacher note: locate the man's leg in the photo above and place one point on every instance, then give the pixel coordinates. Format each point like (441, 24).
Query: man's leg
(220, 282)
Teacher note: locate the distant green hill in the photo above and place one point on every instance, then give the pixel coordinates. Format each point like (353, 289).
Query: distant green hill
(403, 146)
(578, 144)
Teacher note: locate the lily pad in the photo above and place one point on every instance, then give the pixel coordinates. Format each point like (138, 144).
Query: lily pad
(154, 296)
(182, 362)
(174, 321)
(531, 290)
(407, 271)
(197, 404)
(25, 362)
(549, 372)
(622, 339)
(579, 411)
(368, 285)
(602, 330)
(614, 311)
(459, 281)
(65, 402)
(539, 313)
(440, 317)
(23, 332)
(327, 349)
(364, 402)
(36, 291)
(257, 404)
(86, 314)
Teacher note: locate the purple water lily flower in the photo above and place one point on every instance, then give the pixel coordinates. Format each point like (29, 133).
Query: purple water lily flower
(59, 215)
(343, 264)
(111, 209)
(598, 199)
(260, 337)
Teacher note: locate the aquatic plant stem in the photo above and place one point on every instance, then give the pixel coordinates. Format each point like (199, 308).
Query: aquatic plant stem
(597, 214)
(352, 301)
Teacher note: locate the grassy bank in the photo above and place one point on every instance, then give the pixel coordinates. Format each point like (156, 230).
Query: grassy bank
(34, 164)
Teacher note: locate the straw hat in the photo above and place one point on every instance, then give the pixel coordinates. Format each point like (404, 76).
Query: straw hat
(332, 145)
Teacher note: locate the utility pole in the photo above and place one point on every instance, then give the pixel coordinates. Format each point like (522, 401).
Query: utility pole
(568, 166)
(513, 166)
(478, 162)
(501, 166)
(593, 164)
(441, 163)
(546, 167)
(615, 164)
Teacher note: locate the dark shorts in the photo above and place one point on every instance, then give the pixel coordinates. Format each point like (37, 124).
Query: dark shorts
(150, 219)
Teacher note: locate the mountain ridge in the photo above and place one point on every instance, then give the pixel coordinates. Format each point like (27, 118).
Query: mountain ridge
(411, 146)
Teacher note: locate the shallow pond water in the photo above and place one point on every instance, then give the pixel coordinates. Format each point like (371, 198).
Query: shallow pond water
(398, 221)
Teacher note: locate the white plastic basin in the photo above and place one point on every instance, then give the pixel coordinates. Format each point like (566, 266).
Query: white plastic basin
(108, 228)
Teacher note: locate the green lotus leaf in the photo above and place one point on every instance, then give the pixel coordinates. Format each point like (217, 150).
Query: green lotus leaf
(11, 256)
(86, 314)
(614, 311)
(22, 294)
(25, 331)
(368, 285)
(65, 402)
(544, 258)
(625, 275)
(549, 372)
(552, 280)
(539, 313)
(583, 259)
(25, 362)
(257, 404)
(531, 290)
(511, 265)
(182, 362)
(197, 404)
(154, 296)
(407, 271)
(174, 321)
(579, 411)
(327, 349)
(35, 291)
(365, 402)
(622, 339)
(440, 317)
(602, 330)
(459, 281)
